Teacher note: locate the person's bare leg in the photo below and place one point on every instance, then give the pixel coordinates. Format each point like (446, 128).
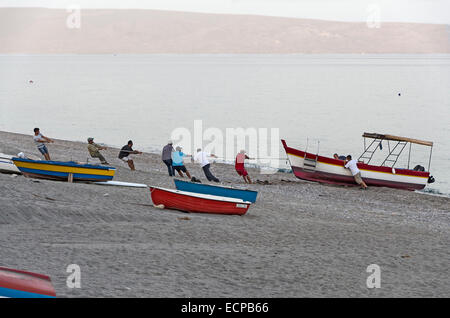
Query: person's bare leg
(188, 174)
(363, 185)
(47, 157)
(131, 165)
(181, 173)
(249, 180)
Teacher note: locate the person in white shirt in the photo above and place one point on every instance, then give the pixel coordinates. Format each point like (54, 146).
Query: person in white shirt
(352, 165)
(202, 158)
(40, 140)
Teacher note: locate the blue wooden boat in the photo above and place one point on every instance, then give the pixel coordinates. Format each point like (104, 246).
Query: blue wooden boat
(245, 195)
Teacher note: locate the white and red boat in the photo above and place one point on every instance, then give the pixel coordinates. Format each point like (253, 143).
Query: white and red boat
(312, 167)
(197, 202)
(20, 284)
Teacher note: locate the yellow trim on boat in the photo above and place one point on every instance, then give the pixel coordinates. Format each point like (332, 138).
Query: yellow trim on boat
(332, 164)
(58, 168)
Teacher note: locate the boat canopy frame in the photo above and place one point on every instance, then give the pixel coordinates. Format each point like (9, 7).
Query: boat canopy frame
(392, 157)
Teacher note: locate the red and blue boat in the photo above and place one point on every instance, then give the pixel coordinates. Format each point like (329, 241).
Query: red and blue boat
(20, 284)
(230, 192)
(197, 202)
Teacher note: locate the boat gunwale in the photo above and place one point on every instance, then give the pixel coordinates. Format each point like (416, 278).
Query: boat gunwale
(214, 185)
(63, 163)
(202, 196)
(18, 271)
(14, 281)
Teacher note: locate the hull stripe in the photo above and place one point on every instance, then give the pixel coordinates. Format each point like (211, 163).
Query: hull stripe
(330, 170)
(14, 293)
(65, 175)
(64, 169)
(349, 180)
(362, 169)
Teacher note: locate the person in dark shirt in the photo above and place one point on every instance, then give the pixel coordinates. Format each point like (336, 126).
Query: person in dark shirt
(336, 156)
(167, 157)
(125, 152)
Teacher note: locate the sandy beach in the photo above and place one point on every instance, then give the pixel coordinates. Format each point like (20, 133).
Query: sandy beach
(299, 239)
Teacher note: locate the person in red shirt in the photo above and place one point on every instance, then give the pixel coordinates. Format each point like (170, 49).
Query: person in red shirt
(240, 168)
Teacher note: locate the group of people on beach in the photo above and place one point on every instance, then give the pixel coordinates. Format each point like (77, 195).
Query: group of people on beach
(173, 158)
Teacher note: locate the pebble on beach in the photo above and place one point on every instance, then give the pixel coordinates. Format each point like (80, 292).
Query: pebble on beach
(300, 239)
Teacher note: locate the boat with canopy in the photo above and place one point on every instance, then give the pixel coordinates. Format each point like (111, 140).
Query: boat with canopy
(313, 167)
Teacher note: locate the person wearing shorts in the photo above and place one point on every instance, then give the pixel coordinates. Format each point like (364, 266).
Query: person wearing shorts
(44, 151)
(40, 141)
(240, 168)
(178, 164)
(356, 173)
(125, 153)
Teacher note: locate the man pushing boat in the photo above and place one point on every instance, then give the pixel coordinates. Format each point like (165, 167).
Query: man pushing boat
(356, 173)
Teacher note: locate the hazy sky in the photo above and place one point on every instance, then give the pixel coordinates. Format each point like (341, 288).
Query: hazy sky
(426, 11)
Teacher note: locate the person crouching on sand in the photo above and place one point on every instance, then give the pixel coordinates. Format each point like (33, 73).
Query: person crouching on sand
(240, 168)
(201, 157)
(94, 150)
(125, 153)
(351, 164)
(40, 141)
(178, 164)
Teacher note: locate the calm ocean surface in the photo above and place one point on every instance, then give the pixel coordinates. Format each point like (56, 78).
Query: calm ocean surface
(331, 98)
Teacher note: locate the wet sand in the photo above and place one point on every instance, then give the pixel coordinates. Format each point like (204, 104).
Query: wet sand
(299, 239)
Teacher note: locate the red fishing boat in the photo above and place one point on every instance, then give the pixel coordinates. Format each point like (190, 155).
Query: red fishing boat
(313, 167)
(20, 284)
(197, 202)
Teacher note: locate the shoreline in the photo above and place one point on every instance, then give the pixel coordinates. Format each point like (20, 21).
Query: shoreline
(299, 239)
(281, 170)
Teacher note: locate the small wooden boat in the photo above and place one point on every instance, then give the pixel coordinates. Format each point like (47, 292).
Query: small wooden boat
(243, 194)
(21, 284)
(197, 202)
(312, 167)
(60, 170)
(7, 165)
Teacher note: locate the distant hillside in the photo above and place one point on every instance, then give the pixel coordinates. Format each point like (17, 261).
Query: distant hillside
(33, 30)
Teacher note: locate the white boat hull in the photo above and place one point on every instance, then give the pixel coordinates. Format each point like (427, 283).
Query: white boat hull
(7, 165)
(329, 170)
